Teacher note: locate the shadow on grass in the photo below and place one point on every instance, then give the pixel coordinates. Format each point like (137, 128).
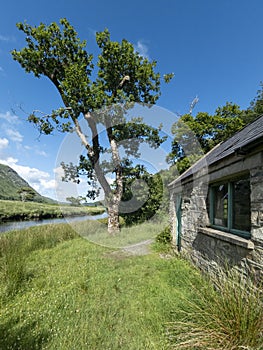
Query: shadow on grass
(21, 337)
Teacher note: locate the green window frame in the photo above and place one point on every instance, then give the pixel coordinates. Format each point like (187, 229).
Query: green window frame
(229, 206)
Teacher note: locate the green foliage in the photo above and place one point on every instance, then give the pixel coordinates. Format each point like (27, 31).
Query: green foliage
(102, 94)
(105, 221)
(124, 75)
(256, 107)
(162, 243)
(195, 136)
(142, 194)
(165, 236)
(11, 184)
(226, 313)
(56, 52)
(16, 210)
(168, 77)
(74, 201)
(26, 193)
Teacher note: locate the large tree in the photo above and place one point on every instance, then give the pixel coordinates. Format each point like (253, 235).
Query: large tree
(26, 193)
(100, 93)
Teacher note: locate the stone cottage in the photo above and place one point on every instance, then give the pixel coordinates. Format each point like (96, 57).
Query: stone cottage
(217, 204)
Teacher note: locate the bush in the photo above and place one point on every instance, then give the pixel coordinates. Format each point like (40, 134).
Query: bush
(164, 237)
(105, 221)
(227, 313)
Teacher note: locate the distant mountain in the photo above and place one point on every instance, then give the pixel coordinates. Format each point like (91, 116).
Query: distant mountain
(11, 183)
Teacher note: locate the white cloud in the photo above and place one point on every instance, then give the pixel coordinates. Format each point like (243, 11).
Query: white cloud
(40, 180)
(45, 186)
(59, 172)
(48, 184)
(93, 32)
(71, 189)
(6, 38)
(142, 48)
(110, 180)
(14, 135)
(36, 151)
(3, 38)
(10, 118)
(9, 161)
(3, 143)
(41, 153)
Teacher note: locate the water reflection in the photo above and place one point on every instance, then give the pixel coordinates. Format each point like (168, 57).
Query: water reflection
(20, 225)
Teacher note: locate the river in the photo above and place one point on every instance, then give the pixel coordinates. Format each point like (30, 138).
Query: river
(20, 225)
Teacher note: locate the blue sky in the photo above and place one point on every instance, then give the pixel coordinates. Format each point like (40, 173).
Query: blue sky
(213, 48)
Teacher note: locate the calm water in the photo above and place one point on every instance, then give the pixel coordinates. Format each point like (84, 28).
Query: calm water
(20, 225)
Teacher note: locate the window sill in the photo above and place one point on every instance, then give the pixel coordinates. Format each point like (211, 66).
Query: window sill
(227, 237)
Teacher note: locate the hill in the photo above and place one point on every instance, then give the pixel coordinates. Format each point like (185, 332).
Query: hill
(11, 183)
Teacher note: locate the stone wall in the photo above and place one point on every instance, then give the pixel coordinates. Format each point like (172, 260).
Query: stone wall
(194, 211)
(207, 247)
(256, 182)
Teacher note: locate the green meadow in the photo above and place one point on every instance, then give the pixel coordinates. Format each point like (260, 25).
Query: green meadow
(18, 210)
(59, 290)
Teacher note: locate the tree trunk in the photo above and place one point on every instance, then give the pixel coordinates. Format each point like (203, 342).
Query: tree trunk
(113, 218)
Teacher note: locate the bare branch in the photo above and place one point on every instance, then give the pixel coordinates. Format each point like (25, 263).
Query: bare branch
(126, 78)
(193, 104)
(81, 135)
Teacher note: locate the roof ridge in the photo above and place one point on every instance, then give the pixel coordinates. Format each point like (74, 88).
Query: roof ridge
(238, 140)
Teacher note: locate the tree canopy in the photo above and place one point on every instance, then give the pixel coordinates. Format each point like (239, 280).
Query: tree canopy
(196, 135)
(102, 92)
(26, 193)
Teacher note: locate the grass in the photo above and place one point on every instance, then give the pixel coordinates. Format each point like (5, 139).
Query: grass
(72, 294)
(226, 313)
(96, 232)
(60, 291)
(17, 210)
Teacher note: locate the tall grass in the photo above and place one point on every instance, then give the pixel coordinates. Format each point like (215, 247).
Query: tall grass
(226, 313)
(79, 295)
(59, 291)
(16, 246)
(96, 232)
(17, 210)
(12, 265)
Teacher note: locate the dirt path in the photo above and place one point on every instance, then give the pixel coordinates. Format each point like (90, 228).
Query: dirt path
(141, 248)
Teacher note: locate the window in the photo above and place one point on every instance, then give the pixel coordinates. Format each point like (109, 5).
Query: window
(230, 206)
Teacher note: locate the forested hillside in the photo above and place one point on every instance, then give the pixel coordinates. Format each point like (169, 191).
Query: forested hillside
(12, 186)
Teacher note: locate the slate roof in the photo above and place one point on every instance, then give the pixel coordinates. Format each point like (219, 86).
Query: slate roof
(241, 141)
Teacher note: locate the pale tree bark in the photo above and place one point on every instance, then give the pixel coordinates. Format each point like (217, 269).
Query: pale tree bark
(115, 197)
(113, 216)
(112, 197)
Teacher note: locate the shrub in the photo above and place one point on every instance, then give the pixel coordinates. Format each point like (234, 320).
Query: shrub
(227, 313)
(165, 236)
(105, 221)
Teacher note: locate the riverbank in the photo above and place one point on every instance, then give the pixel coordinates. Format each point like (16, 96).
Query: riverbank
(8, 226)
(22, 211)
